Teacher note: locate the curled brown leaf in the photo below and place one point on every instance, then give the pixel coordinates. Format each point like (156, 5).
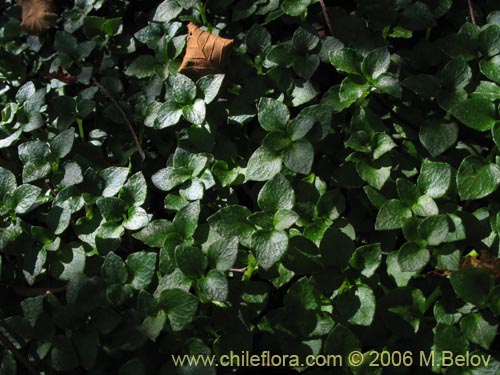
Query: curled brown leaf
(206, 53)
(38, 16)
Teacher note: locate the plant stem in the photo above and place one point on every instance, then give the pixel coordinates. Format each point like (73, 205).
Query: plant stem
(19, 356)
(432, 298)
(471, 12)
(125, 118)
(327, 16)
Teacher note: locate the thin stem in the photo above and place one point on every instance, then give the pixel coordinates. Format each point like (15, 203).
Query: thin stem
(125, 118)
(327, 17)
(432, 298)
(20, 357)
(471, 12)
(238, 270)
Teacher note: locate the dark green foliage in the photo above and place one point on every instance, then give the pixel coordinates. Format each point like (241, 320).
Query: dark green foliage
(318, 197)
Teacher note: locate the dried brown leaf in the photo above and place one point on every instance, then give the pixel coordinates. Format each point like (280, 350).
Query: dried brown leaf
(38, 16)
(205, 53)
(485, 261)
(59, 75)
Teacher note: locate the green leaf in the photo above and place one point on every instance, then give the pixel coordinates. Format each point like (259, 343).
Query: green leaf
(195, 113)
(392, 215)
(142, 266)
(376, 63)
(269, 246)
(284, 219)
(112, 208)
(477, 178)
(167, 11)
(299, 156)
(232, 221)
(478, 330)
(434, 179)
(306, 66)
(489, 40)
(295, 7)
(336, 248)
(476, 113)
(137, 218)
(491, 68)
(276, 194)
(209, 86)
(281, 54)
(272, 114)
(383, 144)
(375, 173)
(438, 137)
(388, 83)
(276, 141)
(487, 90)
(135, 190)
(303, 92)
(346, 60)
(213, 287)
(114, 270)
(407, 191)
(183, 89)
(422, 84)
(302, 295)
(341, 340)
(7, 182)
(62, 144)
(494, 301)
(169, 114)
(142, 67)
(63, 356)
(357, 305)
(495, 132)
(191, 261)
(434, 229)
(411, 257)
(34, 155)
(456, 74)
(263, 165)
(472, 285)
(180, 306)
(304, 39)
(367, 259)
(186, 220)
(114, 178)
(154, 233)
(352, 89)
(222, 253)
(299, 127)
(257, 39)
(23, 199)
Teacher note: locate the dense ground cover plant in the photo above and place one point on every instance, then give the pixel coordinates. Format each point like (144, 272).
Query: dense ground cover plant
(322, 194)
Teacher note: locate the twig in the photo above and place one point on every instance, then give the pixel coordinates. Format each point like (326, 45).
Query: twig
(20, 357)
(471, 12)
(327, 16)
(125, 118)
(238, 270)
(51, 187)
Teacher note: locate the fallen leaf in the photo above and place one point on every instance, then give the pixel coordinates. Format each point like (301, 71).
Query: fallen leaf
(206, 53)
(485, 261)
(59, 75)
(38, 16)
